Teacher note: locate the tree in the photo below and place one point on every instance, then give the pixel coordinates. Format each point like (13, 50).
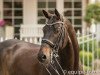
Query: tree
(92, 13)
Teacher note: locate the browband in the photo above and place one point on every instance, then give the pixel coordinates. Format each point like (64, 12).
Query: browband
(55, 23)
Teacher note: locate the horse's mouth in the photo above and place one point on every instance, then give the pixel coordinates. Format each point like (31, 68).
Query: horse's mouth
(44, 61)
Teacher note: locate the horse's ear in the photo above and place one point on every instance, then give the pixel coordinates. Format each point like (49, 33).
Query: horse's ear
(46, 14)
(57, 13)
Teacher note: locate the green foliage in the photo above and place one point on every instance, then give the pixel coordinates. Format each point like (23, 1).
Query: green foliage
(97, 54)
(91, 45)
(92, 12)
(86, 56)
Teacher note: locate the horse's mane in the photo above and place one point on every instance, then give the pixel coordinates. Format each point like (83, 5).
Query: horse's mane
(73, 38)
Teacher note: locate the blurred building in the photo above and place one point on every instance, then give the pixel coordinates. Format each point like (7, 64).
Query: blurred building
(17, 12)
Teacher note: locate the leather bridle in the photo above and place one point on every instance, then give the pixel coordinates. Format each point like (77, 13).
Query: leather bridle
(55, 46)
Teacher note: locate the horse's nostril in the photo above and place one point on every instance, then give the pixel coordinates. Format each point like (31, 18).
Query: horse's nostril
(43, 57)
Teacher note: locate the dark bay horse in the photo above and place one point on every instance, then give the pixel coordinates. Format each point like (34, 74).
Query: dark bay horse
(59, 40)
(23, 58)
(19, 58)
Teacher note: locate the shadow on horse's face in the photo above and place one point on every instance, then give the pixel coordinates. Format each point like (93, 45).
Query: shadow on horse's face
(53, 35)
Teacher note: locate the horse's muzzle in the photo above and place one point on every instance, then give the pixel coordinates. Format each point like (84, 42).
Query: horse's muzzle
(42, 57)
(44, 54)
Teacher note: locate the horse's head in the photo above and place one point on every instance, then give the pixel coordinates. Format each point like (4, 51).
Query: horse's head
(54, 39)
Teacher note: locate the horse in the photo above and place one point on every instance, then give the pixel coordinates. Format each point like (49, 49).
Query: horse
(24, 58)
(19, 58)
(59, 47)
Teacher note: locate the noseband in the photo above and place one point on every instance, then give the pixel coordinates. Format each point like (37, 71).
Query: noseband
(55, 46)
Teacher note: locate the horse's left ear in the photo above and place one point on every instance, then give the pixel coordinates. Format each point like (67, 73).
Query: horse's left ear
(57, 13)
(46, 14)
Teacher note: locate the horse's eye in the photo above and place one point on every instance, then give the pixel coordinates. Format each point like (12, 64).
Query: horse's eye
(57, 30)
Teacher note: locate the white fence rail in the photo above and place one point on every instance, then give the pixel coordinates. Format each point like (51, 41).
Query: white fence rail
(31, 31)
(89, 49)
(35, 40)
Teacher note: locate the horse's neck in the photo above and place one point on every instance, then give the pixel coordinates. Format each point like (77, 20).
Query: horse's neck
(73, 38)
(70, 54)
(75, 45)
(67, 57)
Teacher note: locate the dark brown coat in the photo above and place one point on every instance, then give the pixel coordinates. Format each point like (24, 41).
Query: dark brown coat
(19, 58)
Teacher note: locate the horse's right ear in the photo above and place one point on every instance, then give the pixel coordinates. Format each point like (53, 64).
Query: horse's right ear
(46, 14)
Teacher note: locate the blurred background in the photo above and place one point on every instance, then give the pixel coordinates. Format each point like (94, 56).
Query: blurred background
(23, 19)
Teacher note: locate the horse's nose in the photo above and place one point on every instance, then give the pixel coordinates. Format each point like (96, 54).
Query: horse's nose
(42, 57)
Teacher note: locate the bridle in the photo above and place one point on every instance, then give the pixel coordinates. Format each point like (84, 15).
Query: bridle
(55, 46)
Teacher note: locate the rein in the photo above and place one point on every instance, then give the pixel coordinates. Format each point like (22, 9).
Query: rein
(55, 47)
